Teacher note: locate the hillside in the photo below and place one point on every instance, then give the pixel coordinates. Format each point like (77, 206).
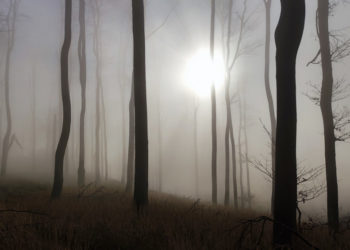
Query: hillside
(104, 218)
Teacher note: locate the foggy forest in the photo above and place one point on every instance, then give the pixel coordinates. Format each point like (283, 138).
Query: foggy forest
(174, 124)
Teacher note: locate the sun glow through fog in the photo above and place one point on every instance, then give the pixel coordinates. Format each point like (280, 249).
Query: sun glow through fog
(201, 72)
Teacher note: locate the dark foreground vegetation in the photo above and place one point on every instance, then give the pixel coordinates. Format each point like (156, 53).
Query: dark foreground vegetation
(104, 218)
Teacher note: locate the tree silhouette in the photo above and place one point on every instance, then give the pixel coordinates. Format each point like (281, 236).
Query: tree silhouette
(288, 36)
(213, 112)
(333, 48)
(141, 128)
(82, 63)
(62, 144)
(267, 4)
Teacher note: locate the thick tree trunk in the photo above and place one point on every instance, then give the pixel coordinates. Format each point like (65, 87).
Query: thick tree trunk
(11, 23)
(327, 115)
(131, 148)
(268, 92)
(141, 130)
(287, 36)
(213, 111)
(82, 63)
(62, 144)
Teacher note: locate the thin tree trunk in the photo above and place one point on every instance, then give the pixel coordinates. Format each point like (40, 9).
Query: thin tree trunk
(268, 92)
(124, 164)
(82, 63)
(141, 130)
(240, 151)
(327, 115)
(62, 144)
(105, 148)
(96, 44)
(160, 155)
(11, 23)
(227, 166)
(288, 36)
(34, 119)
(246, 153)
(234, 164)
(54, 139)
(213, 111)
(195, 140)
(131, 148)
(229, 136)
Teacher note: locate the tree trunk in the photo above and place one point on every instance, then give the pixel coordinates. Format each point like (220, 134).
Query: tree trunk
(234, 165)
(96, 44)
(131, 148)
(268, 93)
(246, 154)
(34, 120)
(105, 148)
(54, 139)
(62, 144)
(327, 115)
(82, 63)
(195, 140)
(141, 133)
(240, 152)
(229, 136)
(11, 23)
(227, 165)
(160, 155)
(124, 166)
(287, 37)
(213, 111)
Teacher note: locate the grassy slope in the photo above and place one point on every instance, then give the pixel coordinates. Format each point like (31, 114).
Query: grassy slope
(104, 218)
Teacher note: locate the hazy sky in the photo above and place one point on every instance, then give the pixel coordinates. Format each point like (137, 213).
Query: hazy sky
(38, 40)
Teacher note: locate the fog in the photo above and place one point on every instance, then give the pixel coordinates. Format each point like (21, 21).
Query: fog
(176, 32)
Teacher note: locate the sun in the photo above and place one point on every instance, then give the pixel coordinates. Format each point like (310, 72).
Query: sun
(201, 72)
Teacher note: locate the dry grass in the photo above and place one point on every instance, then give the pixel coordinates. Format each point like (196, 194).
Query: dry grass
(105, 218)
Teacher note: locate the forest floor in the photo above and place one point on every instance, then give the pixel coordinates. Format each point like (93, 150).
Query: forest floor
(104, 217)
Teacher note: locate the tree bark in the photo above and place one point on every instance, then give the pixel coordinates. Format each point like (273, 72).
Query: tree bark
(213, 111)
(131, 148)
(327, 115)
(82, 63)
(288, 36)
(268, 92)
(62, 144)
(141, 130)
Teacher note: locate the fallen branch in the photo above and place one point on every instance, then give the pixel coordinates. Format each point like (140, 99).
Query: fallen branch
(264, 219)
